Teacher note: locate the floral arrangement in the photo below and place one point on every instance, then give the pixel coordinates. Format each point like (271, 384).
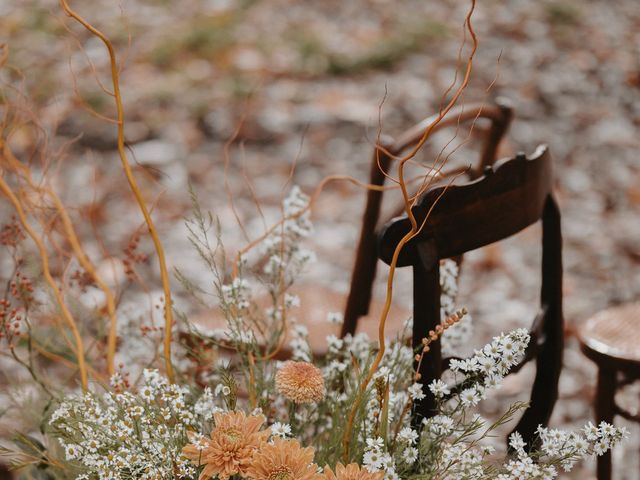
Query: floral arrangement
(252, 416)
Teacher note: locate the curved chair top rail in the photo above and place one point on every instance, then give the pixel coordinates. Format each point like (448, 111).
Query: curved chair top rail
(496, 112)
(500, 113)
(506, 199)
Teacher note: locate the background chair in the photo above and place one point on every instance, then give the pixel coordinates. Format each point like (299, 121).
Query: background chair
(611, 339)
(505, 200)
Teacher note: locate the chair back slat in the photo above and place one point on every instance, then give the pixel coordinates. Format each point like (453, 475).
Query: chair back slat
(500, 113)
(506, 199)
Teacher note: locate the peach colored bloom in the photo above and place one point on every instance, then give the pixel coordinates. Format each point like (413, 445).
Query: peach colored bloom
(233, 442)
(300, 382)
(351, 472)
(283, 460)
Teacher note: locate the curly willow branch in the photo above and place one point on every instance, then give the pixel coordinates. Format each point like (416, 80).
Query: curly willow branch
(79, 348)
(77, 249)
(115, 78)
(415, 228)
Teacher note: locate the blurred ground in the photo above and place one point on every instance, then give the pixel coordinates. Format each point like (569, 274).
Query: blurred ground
(304, 81)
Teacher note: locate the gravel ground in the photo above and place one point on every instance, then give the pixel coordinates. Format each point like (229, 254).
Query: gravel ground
(304, 81)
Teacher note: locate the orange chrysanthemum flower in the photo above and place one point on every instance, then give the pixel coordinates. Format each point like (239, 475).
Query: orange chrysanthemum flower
(283, 460)
(351, 472)
(300, 382)
(233, 442)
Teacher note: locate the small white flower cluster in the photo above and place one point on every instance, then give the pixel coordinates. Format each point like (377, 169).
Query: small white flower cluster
(559, 447)
(486, 368)
(440, 425)
(282, 430)
(571, 446)
(222, 390)
(376, 459)
(601, 437)
(338, 369)
(235, 299)
(285, 255)
(335, 318)
(340, 352)
(462, 461)
(406, 445)
(300, 349)
(296, 212)
(415, 391)
(237, 294)
(131, 435)
(205, 407)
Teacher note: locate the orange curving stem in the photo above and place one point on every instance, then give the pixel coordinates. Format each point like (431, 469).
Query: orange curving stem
(164, 275)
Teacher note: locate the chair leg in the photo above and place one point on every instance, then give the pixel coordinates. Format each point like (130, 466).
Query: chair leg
(549, 358)
(5, 474)
(605, 409)
(545, 386)
(426, 315)
(364, 270)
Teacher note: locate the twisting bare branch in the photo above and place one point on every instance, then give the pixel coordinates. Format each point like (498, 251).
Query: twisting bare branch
(115, 79)
(415, 228)
(42, 250)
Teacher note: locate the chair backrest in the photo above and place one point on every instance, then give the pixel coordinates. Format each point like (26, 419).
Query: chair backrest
(509, 197)
(364, 271)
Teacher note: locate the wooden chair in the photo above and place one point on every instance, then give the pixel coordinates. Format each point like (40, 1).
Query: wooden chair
(611, 339)
(507, 198)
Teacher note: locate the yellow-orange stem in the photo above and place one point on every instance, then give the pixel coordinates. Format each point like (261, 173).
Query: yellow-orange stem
(414, 231)
(78, 251)
(42, 251)
(115, 79)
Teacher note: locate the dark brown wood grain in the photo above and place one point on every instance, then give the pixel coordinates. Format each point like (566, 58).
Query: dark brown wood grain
(364, 270)
(508, 198)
